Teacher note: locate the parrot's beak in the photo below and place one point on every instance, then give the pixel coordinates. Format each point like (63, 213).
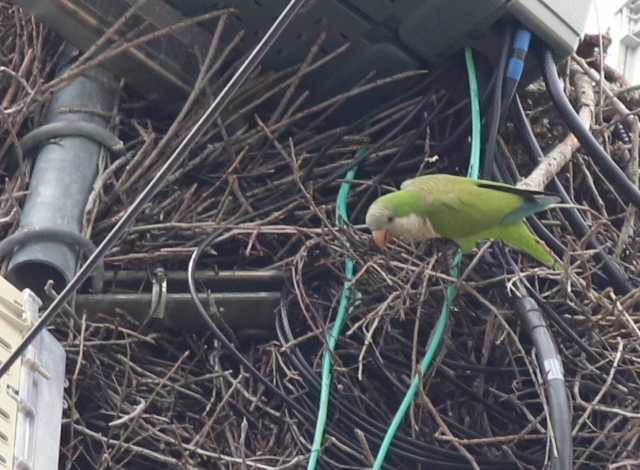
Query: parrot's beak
(381, 237)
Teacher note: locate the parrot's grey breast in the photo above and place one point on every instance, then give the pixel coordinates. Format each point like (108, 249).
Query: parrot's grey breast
(413, 227)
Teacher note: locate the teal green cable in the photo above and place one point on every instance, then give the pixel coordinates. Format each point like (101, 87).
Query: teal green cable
(434, 342)
(325, 386)
(474, 159)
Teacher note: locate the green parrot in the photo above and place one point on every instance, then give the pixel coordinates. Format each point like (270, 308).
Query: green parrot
(463, 209)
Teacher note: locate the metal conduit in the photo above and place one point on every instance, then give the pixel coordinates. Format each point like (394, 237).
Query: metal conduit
(63, 177)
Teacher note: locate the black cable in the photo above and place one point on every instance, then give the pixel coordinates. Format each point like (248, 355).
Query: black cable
(476, 369)
(521, 43)
(504, 414)
(550, 364)
(310, 378)
(342, 409)
(566, 329)
(154, 186)
(441, 71)
(404, 445)
(493, 116)
(462, 430)
(610, 170)
(610, 268)
(366, 198)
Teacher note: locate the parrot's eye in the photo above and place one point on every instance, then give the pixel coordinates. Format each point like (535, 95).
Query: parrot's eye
(390, 219)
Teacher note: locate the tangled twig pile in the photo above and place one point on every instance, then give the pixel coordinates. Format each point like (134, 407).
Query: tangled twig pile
(166, 399)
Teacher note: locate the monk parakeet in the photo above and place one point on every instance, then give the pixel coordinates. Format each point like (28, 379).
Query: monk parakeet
(463, 209)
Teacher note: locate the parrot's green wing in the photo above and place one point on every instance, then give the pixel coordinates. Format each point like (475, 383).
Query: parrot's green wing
(532, 201)
(461, 207)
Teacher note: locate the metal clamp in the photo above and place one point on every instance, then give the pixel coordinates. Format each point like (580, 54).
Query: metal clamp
(158, 293)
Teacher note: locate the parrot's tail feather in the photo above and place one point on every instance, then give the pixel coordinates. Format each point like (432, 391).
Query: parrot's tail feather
(518, 235)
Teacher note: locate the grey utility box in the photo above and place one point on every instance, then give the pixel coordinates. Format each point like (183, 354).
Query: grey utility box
(385, 36)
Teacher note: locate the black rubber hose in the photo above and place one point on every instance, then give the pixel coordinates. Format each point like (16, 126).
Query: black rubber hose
(550, 364)
(55, 130)
(549, 359)
(566, 329)
(69, 238)
(609, 169)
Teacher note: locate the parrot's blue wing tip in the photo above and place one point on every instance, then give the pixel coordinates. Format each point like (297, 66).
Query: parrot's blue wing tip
(529, 207)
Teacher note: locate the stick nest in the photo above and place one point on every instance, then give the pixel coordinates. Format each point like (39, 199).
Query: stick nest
(169, 399)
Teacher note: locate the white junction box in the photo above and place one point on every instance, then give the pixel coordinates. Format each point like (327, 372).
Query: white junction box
(32, 392)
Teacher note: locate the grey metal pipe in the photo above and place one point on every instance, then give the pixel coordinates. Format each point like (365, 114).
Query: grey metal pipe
(245, 300)
(251, 312)
(62, 180)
